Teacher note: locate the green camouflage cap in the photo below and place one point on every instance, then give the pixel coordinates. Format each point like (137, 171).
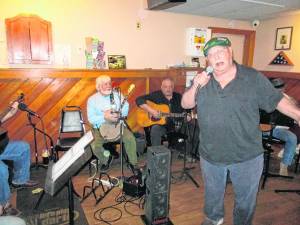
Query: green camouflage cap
(216, 41)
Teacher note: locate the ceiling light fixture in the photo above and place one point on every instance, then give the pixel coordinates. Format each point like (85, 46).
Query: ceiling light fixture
(263, 3)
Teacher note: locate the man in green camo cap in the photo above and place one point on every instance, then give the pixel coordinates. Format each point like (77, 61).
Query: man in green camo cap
(228, 97)
(216, 41)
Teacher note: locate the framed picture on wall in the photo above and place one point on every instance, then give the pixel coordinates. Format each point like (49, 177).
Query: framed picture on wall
(116, 62)
(283, 39)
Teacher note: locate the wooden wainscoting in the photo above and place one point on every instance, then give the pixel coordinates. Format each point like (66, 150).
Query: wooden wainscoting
(292, 82)
(47, 91)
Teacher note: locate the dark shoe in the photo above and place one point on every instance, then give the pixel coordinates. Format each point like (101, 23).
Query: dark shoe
(115, 154)
(11, 211)
(105, 167)
(28, 184)
(180, 156)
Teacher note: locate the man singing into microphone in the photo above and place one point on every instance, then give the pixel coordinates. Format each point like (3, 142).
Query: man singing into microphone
(228, 105)
(19, 153)
(103, 107)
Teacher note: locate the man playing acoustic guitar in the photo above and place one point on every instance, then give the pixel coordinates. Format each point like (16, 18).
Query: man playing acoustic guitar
(155, 104)
(19, 153)
(103, 110)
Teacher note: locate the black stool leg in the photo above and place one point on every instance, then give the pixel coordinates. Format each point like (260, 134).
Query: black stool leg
(297, 162)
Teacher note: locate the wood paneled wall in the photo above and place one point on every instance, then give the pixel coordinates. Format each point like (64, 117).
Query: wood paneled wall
(292, 82)
(47, 91)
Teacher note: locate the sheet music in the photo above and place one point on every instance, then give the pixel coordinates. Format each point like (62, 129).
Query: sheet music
(71, 155)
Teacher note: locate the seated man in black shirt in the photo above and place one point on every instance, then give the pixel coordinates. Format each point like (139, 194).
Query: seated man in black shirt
(19, 153)
(165, 96)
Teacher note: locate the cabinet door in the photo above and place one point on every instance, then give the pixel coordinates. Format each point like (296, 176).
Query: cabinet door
(40, 39)
(18, 42)
(29, 40)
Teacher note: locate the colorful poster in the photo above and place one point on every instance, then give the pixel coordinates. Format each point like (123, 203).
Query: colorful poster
(196, 39)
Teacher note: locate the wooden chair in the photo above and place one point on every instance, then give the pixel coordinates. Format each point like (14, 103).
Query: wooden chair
(297, 161)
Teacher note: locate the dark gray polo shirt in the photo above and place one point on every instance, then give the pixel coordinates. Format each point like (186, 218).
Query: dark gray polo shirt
(229, 117)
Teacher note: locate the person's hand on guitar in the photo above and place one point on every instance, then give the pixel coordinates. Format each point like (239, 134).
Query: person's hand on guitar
(188, 117)
(154, 113)
(111, 116)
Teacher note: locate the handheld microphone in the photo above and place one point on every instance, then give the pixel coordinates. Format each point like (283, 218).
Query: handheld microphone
(209, 70)
(23, 107)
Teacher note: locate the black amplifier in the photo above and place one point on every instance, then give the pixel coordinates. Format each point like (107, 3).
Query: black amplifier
(134, 186)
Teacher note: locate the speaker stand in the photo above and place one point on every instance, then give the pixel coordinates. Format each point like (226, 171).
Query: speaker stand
(146, 222)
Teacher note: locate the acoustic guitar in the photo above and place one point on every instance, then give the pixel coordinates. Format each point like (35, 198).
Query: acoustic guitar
(146, 120)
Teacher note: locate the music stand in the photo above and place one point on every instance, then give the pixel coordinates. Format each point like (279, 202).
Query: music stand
(195, 141)
(185, 170)
(60, 173)
(35, 130)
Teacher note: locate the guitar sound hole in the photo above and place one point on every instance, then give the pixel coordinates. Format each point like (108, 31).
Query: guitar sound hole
(154, 119)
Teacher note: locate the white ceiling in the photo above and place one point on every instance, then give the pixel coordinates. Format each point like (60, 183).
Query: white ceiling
(238, 9)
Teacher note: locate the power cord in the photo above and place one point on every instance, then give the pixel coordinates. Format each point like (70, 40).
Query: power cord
(119, 199)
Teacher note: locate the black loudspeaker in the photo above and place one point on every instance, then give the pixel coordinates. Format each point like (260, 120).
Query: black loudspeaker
(157, 186)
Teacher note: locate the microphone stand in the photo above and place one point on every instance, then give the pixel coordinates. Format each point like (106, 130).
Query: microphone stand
(35, 129)
(123, 124)
(185, 169)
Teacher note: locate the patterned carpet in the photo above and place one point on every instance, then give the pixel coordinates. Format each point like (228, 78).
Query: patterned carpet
(51, 210)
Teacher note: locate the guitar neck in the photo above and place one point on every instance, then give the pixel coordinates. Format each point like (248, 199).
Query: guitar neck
(176, 115)
(3, 114)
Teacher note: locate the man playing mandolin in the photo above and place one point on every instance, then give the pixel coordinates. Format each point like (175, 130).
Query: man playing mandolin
(19, 153)
(103, 109)
(164, 97)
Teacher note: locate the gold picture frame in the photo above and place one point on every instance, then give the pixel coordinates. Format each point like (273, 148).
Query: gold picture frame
(283, 39)
(116, 62)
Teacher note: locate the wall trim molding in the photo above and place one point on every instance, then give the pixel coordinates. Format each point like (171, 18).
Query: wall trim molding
(291, 75)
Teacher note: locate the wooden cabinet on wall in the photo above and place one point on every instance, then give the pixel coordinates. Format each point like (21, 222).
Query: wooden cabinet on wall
(29, 40)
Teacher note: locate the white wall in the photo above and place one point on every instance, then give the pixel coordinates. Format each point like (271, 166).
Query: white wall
(265, 43)
(159, 42)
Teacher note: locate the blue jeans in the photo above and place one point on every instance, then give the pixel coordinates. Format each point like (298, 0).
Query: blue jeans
(19, 153)
(157, 131)
(290, 144)
(245, 177)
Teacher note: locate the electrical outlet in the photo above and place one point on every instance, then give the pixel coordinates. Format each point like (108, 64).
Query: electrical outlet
(138, 25)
